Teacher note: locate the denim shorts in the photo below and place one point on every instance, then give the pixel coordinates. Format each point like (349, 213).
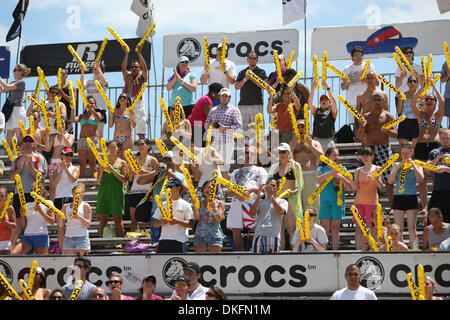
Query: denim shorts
(77, 243)
(36, 241)
(207, 241)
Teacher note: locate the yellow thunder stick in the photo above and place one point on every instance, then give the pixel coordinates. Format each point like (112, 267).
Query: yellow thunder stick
(233, 187)
(273, 122)
(22, 128)
(336, 166)
(426, 165)
(177, 117)
(306, 116)
(391, 86)
(71, 95)
(166, 114)
(8, 150)
(293, 81)
(32, 128)
(366, 68)
(260, 81)
(340, 194)
(421, 281)
(15, 146)
(161, 206)
(41, 75)
(259, 131)
(213, 190)
(324, 68)
(103, 94)
(26, 290)
(132, 161)
(45, 114)
(316, 71)
(119, 39)
(58, 114)
(224, 53)
(23, 201)
(307, 226)
(82, 94)
(161, 147)
(423, 62)
(403, 172)
(290, 60)
(412, 287)
(104, 149)
(185, 150)
(278, 66)
(389, 243)
(138, 97)
(399, 62)
(338, 72)
(405, 61)
(428, 86)
(284, 194)
(353, 110)
(294, 122)
(364, 228)
(47, 204)
(38, 88)
(76, 201)
(208, 141)
(60, 78)
(430, 65)
(191, 188)
(446, 53)
(9, 289)
(77, 57)
(385, 166)
(280, 187)
(32, 273)
(76, 290)
(394, 122)
(206, 51)
(312, 198)
(169, 204)
(100, 52)
(379, 221)
(34, 102)
(39, 185)
(7, 204)
(144, 38)
(301, 230)
(95, 152)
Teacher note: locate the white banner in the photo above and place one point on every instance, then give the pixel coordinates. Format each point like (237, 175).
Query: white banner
(145, 11)
(424, 37)
(239, 45)
(287, 273)
(293, 10)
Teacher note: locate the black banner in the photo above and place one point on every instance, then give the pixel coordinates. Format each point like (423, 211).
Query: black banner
(50, 57)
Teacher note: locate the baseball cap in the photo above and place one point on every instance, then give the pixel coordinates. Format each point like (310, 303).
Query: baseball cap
(324, 96)
(183, 58)
(66, 151)
(378, 94)
(168, 154)
(221, 45)
(29, 136)
(225, 91)
(192, 266)
(174, 182)
(183, 278)
(283, 147)
(148, 277)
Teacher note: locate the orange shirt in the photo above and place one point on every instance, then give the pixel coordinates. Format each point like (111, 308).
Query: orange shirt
(367, 188)
(5, 235)
(284, 119)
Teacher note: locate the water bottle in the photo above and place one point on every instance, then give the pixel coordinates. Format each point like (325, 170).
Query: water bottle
(416, 243)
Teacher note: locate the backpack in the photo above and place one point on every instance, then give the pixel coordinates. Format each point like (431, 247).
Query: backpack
(345, 135)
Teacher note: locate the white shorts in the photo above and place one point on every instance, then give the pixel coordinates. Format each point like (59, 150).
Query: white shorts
(248, 114)
(5, 245)
(19, 113)
(234, 216)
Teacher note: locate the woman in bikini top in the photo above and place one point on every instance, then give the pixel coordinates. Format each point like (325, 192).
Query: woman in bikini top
(123, 121)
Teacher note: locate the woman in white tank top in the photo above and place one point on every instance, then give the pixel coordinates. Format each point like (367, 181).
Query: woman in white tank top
(65, 179)
(73, 233)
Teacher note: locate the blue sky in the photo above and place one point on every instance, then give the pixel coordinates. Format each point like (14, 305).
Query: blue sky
(48, 21)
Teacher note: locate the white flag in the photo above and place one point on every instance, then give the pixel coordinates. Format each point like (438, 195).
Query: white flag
(143, 9)
(293, 10)
(444, 5)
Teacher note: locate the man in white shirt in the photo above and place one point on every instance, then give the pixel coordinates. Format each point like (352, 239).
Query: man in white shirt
(225, 77)
(196, 291)
(353, 291)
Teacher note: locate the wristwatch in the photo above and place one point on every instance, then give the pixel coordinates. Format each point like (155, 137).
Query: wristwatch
(328, 89)
(225, 72)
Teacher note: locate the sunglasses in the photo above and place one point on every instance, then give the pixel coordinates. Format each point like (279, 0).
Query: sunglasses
(28, 141)
(414, 81)
(98, 295)
(377, 99)
(181, 284)
(112, 282)
(134, 67)
(81, 266)
(123, 97)
(358, 55)
(54, 92)
(210, 294)
(409, 52)
(184, 62)
(430, 99)
(141, 144)
(56, 298)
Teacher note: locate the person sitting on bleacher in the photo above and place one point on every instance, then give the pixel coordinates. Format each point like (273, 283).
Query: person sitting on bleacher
(318, 240)
(396, 242)
(437, 232)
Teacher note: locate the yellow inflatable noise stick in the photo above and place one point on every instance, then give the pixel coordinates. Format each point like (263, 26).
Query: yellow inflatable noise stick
(32, 273)
(365, 230)
(46, 118)
(169, 204)
(316, 71)
(379, 221)
(224, 53)
(177, 116)
(336, 167)
(273, 122)
(166, 114)
(430, 65)
(307, 226)
(41, 75)
(294, 80)
(26, 290)
(185, 150)
(233, 187)
(278, 66)
(191, 188)
(280, 187)
(146, 35)
(23, 201)
(119, 39)
(259, 131)
(412, 287)
(340, 194)
(22, 128)
(60, 78)
(426, 165)
(48, 205)
(338, 72)
(421, 280)
(324, 68)
(82, 93)
(423, 61)
(290, 60)
(301, 230)
(103, 94)
(403, 173)
(34, 102)
(104, 151)
(38, 88)
(446, 53)
(306, 116)
(312, 198)
(76, 201)
(428, 86)
(284, 194)
(391, 86)
(213, 190)
(394, 122)
(15, 146)
(9, 289)
(294, 122)
(95, 152)
(260, 81)
(206, 51)
(353, 110)
(366, 68)
(132, 161)
(161, 206)
(208, 141)
(138, 97)
(405, 61)
(161, 146)
(7, 204)
(8, 150)
(76, 290)
(39, 185)
(58, 114)
(385, 166)
(389, 243)
(399, 62)
(77, 57)
(100, 52)
(32, 128)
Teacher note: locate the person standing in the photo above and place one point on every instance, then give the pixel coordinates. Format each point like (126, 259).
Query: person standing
(226, 77)
(353, 291)
(65, 178)
(401, 77)
(445, 78)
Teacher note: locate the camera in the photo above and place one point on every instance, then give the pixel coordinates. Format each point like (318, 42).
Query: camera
(163, 166)
(216, 125)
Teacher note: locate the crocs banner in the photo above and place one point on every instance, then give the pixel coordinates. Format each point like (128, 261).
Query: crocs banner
(422, 36)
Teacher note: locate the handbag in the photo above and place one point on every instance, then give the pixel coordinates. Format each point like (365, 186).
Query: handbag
(8, 108)
(144, 210)
(136, 247)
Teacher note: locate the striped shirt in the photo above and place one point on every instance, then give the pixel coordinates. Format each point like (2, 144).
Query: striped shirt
(227, 115)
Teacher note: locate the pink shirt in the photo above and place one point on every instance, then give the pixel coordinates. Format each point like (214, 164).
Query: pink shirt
(197, 113)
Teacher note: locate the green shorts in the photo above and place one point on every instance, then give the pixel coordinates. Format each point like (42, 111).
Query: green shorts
(330, 210)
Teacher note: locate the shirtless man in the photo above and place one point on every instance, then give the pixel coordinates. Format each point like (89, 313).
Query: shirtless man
(364, 103)
(308, 155)
(374, 136)
(40, 134)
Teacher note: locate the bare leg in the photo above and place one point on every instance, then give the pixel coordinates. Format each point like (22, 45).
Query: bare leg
(237, 239)
(119, 225)
(399, 219)
(335, 238)
(411, 216)
(134, 223)
(103, 219)
(199, 249)
(214, 249)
